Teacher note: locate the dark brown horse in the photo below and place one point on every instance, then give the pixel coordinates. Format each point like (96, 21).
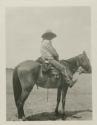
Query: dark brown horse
(28, 73)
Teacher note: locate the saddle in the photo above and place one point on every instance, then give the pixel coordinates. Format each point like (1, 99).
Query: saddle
(47, 68)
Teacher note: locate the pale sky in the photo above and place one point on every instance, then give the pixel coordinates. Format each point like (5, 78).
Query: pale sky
(25, 25)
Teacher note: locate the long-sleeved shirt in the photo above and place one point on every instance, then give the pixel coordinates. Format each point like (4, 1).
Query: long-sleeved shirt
(48, 51)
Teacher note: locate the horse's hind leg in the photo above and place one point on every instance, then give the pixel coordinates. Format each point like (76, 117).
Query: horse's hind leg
(20, 104)
(64, 92)
(58, 99)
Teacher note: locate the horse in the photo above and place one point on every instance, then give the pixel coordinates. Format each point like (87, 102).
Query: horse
(28, 73)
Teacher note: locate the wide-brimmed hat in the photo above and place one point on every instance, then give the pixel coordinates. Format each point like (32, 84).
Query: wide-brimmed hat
(49, 35)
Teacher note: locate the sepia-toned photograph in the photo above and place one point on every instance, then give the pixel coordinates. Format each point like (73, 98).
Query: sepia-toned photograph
(48, 63)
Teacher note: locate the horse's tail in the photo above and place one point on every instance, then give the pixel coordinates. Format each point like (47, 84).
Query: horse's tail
(17, 89)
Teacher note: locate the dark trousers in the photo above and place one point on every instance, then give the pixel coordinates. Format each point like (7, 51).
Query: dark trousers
(62, 69)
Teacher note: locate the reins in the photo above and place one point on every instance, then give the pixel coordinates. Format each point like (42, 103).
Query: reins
(47, 94)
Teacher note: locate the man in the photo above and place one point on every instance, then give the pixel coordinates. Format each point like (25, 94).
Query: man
(50, 55)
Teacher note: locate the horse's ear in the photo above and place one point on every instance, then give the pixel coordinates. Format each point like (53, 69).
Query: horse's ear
(84, 52)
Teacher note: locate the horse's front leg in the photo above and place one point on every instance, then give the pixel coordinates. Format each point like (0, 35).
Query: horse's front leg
(64, 92)
(58, 99)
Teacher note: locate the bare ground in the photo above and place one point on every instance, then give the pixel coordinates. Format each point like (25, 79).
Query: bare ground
(78, 102)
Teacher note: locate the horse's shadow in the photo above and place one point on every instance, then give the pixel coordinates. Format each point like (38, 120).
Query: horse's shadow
(52, 116)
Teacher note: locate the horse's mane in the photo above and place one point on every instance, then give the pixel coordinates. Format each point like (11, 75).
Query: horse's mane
(72, 59)
(71, 62)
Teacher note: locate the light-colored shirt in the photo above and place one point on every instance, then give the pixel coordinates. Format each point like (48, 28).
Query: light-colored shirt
(48, 51)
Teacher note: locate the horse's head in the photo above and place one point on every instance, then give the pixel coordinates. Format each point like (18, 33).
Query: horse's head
(85, 63)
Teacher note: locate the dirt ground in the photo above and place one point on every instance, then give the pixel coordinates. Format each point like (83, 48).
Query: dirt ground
(78, 101)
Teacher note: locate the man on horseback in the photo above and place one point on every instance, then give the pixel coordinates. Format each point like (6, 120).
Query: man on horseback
(50, 55)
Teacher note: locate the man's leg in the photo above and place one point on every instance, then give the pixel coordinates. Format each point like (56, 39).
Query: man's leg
(63, 70)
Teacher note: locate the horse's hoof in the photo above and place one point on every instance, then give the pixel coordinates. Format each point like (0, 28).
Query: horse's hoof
(23, 118)
(56, 112)
(20, 119)
(63, 117)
